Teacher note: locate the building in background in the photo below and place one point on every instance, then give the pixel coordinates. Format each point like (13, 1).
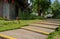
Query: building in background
(10, 8)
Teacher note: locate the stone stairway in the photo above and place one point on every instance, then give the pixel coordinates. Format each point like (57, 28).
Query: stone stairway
(42, 27)
(38, 30)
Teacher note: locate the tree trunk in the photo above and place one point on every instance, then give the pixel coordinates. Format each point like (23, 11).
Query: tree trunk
(43, 13)
(39, 12)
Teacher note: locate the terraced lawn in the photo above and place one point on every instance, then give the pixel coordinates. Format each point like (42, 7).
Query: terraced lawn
(10, 25)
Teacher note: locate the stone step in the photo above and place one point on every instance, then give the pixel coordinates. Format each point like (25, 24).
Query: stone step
(24, 34)
(44, 26)
(48, 23)
(38, 30)
(53, 20)
(6, 37)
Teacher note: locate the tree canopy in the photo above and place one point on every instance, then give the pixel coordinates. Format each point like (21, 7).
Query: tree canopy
(56, 9)
(40, 5)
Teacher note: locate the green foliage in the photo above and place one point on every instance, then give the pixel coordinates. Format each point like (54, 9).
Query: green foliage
(11, 25)
(2, 18)
(36, 17)
(56, 14)
(55, 35)
(40, 5)
(56, 9)
(24, 15)
(55, 5)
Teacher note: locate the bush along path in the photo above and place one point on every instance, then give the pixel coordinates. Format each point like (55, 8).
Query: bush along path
(37, 30)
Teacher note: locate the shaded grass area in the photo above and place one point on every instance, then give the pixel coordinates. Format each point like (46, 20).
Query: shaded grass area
(55, 35)
(11, 25)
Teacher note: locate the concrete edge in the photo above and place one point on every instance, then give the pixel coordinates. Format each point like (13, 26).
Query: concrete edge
(39, 31)
(9, 37)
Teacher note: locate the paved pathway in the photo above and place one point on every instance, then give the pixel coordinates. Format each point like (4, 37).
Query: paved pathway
(38, 30)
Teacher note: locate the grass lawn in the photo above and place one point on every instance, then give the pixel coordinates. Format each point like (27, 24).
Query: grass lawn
(55, 35)
(10, 25)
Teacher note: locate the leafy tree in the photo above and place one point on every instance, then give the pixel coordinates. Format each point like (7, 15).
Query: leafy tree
(55, 5)
(56, 9)
(40, 6)
(24, 9)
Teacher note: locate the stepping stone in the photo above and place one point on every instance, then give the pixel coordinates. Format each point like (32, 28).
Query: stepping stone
(38, 29)
(48, 23)
(44, 26)
(24, 34)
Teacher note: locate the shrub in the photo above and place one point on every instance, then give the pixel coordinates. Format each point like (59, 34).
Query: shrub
(56, 14)
(36, 17)
(55, 34)
(2, 18)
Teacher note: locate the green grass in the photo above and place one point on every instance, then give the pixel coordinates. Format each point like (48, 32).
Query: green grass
(55, 35)
(11, 25)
